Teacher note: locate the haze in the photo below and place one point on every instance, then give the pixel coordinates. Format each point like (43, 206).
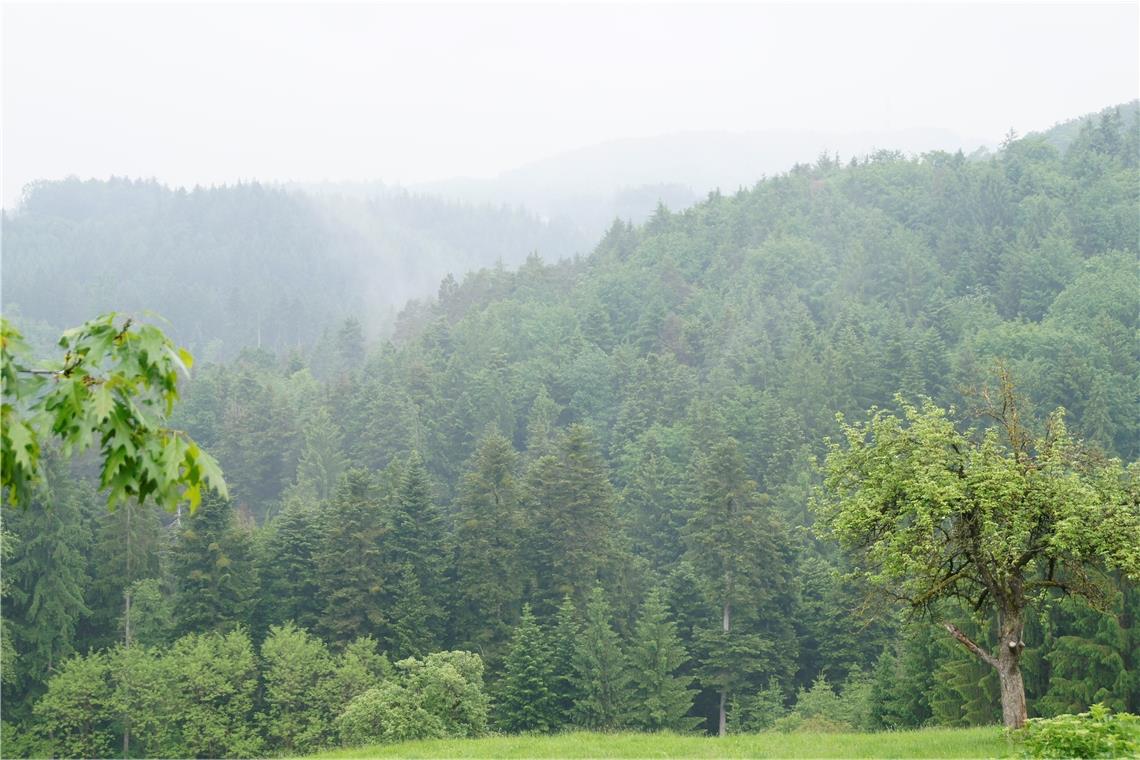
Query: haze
(410, 94)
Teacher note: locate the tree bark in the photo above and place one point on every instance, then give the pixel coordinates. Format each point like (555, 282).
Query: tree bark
(1007, 663)
(1013, 710)
(722, 728)
(726, 622)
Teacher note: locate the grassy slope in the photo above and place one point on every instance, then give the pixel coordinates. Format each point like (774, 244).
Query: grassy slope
(971, 742)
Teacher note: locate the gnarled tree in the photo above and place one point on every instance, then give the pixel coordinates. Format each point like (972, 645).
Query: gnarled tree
(996, 518)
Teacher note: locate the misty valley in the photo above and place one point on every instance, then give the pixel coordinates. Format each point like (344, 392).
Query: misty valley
(849, 450)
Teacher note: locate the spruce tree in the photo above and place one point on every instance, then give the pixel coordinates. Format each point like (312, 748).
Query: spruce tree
(574, 521)
(416, 543)
(214, 569)
(488, 578)
(601, 670)
(126, 550)
(743, 562)
(45, 578)
(349, 561)
(562, 642)
(524, 699)
(322, 460)
(289, 583)
(660, 699)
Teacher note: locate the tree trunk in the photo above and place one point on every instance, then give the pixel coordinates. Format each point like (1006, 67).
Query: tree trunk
(1013, 710)
(1007, 663)
(722, 728)
(722, 723)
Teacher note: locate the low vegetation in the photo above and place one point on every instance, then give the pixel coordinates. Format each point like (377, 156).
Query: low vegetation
(928, 743)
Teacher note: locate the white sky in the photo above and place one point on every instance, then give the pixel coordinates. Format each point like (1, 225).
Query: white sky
(213, 93)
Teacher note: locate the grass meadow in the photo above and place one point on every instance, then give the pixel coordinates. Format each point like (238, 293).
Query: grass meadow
(926, 743)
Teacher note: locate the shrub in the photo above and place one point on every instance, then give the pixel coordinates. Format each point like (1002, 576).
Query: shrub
(440, 696)
(1096, 733)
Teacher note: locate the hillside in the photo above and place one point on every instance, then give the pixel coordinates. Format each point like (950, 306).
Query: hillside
(543, 498)
(248, 265)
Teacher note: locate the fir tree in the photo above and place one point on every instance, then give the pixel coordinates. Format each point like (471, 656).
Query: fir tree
(601, 671)
(660, 699)
(574, 517)
(562, 642)
(743, 561)
(214, 569)
(488, 580)
(44, 580)
(415, 545)
(126, 550)
(349, 561)
(289, 583)
(524, 699)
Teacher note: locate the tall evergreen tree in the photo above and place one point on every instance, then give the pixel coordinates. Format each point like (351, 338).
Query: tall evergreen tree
(287, 566)
(524, 696)
(416, 557)
(351, 573)
(744, 564)
(601, 670)
(45, 578)
(126, 550)
(660, 698)
(214, 568)
(562, 642)
(573, 519)
(488, 577)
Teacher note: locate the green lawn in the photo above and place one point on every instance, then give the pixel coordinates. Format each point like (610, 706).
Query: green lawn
(943, 742)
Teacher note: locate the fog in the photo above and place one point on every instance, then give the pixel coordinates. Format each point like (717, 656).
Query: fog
(431, 93)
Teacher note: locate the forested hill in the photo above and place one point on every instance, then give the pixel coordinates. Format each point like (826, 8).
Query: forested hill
(246, 265)
(594, 441)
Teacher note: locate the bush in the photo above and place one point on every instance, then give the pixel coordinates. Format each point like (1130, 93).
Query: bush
(438, 697)
(1096, 733)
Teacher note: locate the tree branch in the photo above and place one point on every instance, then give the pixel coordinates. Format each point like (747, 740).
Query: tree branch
(956, 632)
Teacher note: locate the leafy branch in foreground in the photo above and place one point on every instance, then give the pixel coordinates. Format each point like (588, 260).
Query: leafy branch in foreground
(115, 387)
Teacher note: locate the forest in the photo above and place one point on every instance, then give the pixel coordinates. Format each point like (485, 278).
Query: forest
(514, 513)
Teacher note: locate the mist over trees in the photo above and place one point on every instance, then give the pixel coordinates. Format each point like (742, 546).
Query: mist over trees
(576, 493)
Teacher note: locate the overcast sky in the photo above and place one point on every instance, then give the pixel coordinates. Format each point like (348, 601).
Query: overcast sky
(213, 93)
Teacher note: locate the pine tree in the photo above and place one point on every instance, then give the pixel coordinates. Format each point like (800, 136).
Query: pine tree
(289, 584)
(415, 545)
(126, 550)
(488, 579)
(743, 561)
(214, 569)
(573, 520)
(408, 633)
(349, 561)
(653, 501)
(601, 670)
(1088, 661)
(540, 425)
(322, 460)
(524, 699)
(885, 712)
(660, 699)
(562, 642)
(45, 579)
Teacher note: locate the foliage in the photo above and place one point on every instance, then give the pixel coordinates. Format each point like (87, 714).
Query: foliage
(601, 672)
(524, 697)
(660, 698)
(1096, 733)
(297, 674)
(440, 696)
(115, 386)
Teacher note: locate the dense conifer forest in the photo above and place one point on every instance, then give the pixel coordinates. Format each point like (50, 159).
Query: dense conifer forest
(518, 512)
